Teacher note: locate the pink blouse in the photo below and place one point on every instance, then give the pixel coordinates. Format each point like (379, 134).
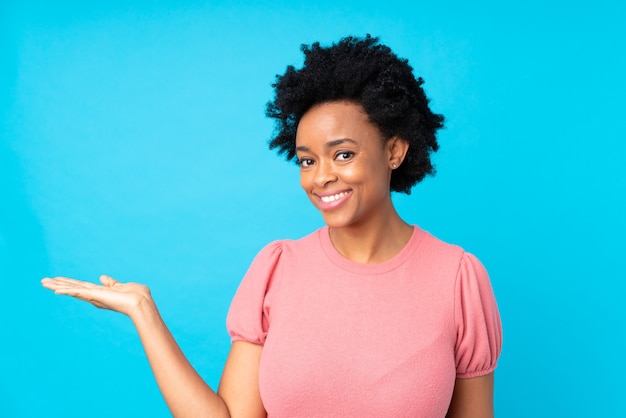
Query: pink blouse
(348, 339)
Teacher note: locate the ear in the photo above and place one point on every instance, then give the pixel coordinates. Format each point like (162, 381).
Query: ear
(396, 149)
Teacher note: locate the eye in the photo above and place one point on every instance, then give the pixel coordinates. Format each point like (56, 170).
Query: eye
(304, 162)
(344, 155)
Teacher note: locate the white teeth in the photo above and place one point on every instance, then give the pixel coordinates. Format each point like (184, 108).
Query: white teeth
(334, 197)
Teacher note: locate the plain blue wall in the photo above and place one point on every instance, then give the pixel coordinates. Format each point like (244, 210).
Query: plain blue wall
(133, 143)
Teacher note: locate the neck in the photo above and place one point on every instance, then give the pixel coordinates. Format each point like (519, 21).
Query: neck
(375, 242)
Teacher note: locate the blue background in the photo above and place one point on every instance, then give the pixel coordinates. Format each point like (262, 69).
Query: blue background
(134, 143)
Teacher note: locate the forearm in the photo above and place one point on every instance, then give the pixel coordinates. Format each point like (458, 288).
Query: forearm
(184, 391)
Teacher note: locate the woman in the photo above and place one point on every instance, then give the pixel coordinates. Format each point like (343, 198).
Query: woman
(367, 316)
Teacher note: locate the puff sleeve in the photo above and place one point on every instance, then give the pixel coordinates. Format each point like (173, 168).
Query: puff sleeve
(478, 325)
(247, 318)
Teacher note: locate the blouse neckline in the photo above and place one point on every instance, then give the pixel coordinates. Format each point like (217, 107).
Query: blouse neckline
(370, 269)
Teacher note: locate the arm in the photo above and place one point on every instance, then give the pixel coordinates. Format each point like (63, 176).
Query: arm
(472, 398)
(240, 381)
(185, 392)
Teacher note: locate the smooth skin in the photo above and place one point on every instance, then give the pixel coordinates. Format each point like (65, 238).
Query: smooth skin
(345, 170)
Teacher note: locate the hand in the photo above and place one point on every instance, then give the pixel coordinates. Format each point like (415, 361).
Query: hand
(113, 295)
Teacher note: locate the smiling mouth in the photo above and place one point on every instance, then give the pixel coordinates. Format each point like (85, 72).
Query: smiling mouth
(333, 197)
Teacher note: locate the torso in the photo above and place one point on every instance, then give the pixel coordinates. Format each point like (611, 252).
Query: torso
(350, 339)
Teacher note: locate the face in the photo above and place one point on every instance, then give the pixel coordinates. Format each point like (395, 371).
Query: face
(345, 164)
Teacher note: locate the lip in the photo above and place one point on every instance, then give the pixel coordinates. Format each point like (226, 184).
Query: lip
(332, 200)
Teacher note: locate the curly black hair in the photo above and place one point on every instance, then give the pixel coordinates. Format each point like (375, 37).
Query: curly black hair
(363, 71)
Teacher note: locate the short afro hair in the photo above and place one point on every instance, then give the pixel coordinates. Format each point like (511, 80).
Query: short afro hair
(363, 71)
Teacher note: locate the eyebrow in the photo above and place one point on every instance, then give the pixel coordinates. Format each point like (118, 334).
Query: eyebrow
(329, 144)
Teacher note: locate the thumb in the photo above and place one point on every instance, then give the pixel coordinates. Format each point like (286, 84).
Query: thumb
(108, 281)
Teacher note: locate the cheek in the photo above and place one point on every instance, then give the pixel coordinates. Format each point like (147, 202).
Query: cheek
(364, 175)
(374, 178)
(305, 180)
(352, 173)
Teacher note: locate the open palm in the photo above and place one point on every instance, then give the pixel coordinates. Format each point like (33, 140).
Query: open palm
(111, 294)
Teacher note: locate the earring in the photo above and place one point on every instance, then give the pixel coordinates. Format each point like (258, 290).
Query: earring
(394, 166)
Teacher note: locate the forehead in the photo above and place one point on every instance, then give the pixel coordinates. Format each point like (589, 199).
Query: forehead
(335, 120)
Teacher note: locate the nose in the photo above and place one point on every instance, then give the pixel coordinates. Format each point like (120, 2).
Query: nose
(324, 173)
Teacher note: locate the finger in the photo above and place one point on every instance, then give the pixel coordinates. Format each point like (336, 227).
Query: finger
(108, 281)
(79, 293)
(55, 285)
(63, 282)
(66, 280)
(94, 296)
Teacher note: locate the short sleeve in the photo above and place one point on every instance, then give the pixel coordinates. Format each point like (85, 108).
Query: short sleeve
(247, 315)
(478, 325)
